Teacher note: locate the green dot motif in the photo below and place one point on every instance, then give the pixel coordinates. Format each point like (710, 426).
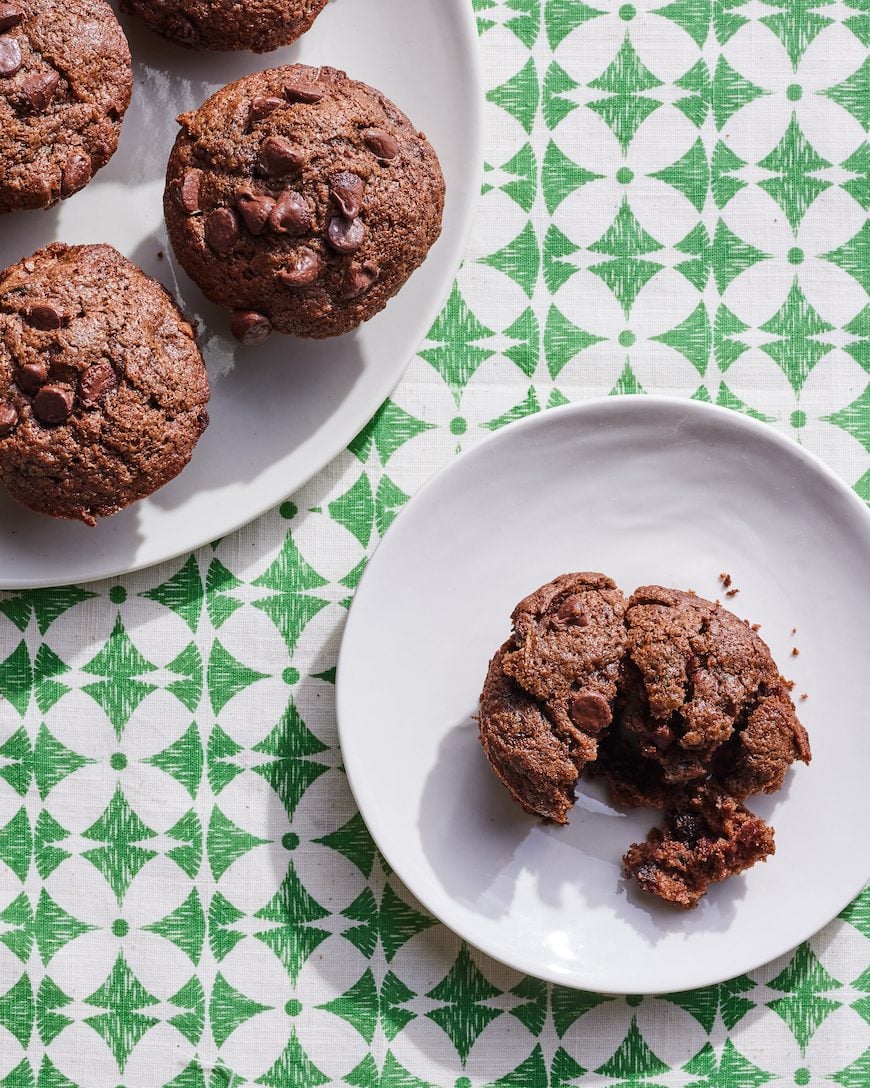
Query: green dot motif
(186, 885)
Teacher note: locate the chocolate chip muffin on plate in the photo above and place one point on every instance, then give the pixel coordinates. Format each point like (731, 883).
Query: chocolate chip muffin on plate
(260, 25)
(301, 200)
(549, 690)
(65, 83)
(673, 700)
(700, 698)
(102, 387)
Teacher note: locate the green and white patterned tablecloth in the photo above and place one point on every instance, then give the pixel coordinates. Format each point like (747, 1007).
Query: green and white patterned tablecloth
(674, 202)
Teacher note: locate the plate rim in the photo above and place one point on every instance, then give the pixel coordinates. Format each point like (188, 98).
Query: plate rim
(465, 216)
(741, 421)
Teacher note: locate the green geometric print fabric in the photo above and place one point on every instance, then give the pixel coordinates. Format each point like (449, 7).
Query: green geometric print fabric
(674, 201)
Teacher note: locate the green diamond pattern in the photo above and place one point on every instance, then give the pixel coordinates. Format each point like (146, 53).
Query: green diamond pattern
(185, 927)
(365, 1006)
(17, 933)
(672, 201)
(463, 1016)
(121, 664)
(226, 842)
(392, 922)
(16, 678)
(798, 348)
(122, 1026)
(730, 92)
(794, 160)
(627, 273)
(290, 773)
(53, 761)
(183, 593)
(292, 938)
(183, 759)
(627, 108)
(805, 1007)
(228, 1009)
(54, 927)
(121, 858)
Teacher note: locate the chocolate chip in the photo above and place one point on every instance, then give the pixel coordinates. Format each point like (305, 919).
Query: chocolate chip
(303, 91)
(44, 317)
(10, 56)
(31, 377)
(221, 230)
(250, 327)
(182, 30)
(381, 143)
(96, 383)
(10, 16)
(345, 235)
(688, 827)
(291, 214)
(185, 191)
(8, 418)
(357, 280)
(304, 268)
(571, 611)
(254, 209)
(261, 106)
(347, 192)
(77, 172)
(278, 157)
(53, 404)
(38, 90)
(590, 711)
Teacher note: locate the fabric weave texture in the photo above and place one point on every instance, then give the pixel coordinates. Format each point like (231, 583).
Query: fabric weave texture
(674, 202)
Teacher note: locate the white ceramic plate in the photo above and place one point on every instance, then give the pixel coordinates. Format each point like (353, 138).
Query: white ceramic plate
(649, 490)
(281, 412)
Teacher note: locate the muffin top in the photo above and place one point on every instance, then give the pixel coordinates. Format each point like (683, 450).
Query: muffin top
(260, 25)
(302, 200)
(65, 82)
(102, 387)
(701, 695)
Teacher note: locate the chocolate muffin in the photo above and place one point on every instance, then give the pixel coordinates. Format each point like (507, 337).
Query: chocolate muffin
(102, 387)
(301, 200)
(671, 698)
(707, 836)
(260, 25)
(539, 766)
(700, 698)
(549, 690)
(65, 82)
